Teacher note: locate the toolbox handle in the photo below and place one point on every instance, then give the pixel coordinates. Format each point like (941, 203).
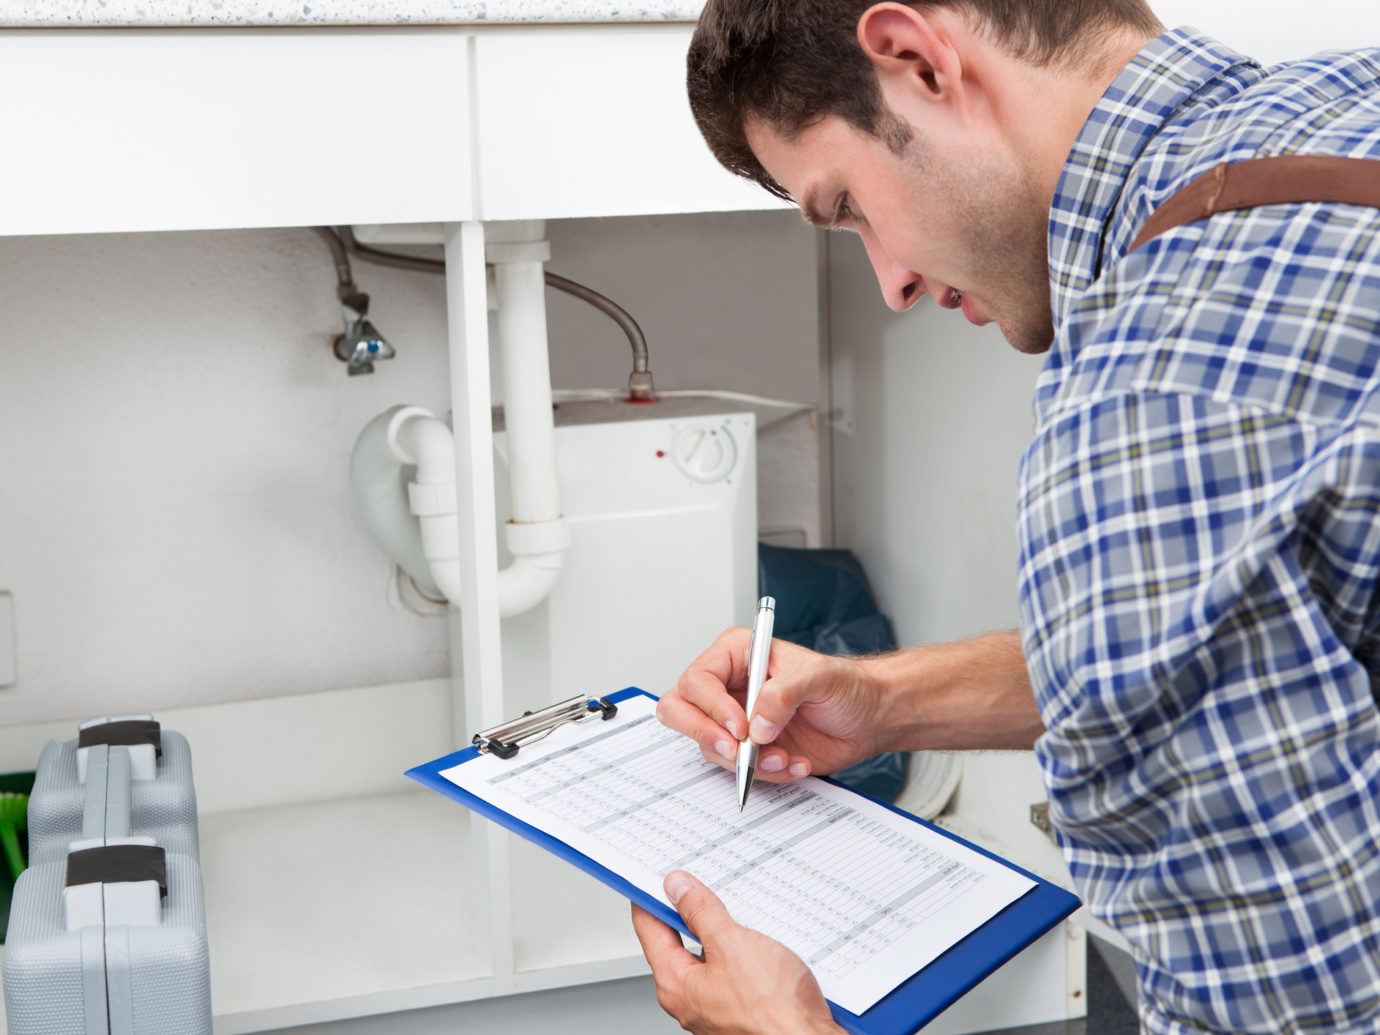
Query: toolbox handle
(106, 807)
(140, 736)
(121, 883)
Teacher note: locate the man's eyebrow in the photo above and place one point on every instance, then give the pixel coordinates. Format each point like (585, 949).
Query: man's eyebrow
(812, 214)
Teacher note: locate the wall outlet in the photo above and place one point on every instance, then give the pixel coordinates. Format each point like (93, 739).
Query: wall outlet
(7, 676)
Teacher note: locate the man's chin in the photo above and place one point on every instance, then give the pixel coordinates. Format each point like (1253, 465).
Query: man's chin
(1032, 341)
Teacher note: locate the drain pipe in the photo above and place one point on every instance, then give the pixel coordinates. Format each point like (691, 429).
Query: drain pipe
(382, 496)
(537, 536)
(520, 288)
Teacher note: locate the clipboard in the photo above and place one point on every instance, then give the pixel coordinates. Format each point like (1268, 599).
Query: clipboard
(911, 1005)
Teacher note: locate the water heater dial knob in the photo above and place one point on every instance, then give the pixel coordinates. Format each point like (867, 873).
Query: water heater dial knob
(706, 454)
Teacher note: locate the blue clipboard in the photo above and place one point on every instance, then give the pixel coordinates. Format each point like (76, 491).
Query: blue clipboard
(912, 1004)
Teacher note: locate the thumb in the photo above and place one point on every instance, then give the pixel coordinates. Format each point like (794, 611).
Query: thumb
(699, 907)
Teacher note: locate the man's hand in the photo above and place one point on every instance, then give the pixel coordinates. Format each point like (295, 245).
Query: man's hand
(745, 983)
(819, 712)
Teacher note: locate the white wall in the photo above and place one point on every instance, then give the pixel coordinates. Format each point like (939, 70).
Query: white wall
(175, 520)
(1277, 30)
(931, 416)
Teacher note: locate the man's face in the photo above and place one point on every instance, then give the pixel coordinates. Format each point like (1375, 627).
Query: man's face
(955, 218)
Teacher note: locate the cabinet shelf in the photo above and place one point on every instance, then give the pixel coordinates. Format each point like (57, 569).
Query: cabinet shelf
(342, 878)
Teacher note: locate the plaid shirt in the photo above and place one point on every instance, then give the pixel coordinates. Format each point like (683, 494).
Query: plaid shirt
(1200, 542)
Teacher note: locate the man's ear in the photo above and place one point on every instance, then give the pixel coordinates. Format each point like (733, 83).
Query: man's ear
(911, 46)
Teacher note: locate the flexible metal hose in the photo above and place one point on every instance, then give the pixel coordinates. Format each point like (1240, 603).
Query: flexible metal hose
(338, 255)
(640, 385)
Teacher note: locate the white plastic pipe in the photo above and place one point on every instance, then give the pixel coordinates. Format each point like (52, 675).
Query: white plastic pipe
(382, 494)
(521, 290)
(426, 441)
(537, 535)
(421, 439)
(527, 581)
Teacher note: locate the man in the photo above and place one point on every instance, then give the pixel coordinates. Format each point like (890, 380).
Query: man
(1199, 510)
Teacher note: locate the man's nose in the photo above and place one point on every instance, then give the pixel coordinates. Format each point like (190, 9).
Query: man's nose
(901, 288)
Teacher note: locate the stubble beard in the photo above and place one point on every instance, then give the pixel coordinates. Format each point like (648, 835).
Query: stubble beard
(1028, 325)
(1005, 239)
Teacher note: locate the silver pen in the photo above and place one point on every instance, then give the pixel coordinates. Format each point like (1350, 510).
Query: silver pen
(758, 652)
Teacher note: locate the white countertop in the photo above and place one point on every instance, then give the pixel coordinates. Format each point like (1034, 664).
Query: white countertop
(112, 13)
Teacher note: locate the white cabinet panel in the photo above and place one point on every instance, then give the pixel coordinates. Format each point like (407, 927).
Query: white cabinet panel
(159, 130)
(594, 122)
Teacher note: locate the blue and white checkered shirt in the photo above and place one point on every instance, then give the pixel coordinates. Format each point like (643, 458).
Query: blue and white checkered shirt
(1200, 545)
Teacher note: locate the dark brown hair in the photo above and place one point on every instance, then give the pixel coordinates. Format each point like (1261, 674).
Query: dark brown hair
(791, 62)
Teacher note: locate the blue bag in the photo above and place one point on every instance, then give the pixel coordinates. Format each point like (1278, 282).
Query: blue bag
(824, 602)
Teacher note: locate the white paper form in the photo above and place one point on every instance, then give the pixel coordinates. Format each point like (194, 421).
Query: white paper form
(864, 896)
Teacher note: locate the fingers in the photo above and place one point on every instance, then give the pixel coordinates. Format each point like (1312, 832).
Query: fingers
(704, 691)
(661, 945)
(726, 660)
(715, 743)
(701, 706)
(667, 956)
(775, 766)
(773, 763)
(699, 907)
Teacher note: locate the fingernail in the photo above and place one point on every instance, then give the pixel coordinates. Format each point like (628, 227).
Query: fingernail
(772, 764)
(732, 726)
(724, 748)
(799, 769)
(763, 732)
(677, 884)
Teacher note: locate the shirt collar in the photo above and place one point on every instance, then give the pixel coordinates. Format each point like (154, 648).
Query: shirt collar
(1158, 83)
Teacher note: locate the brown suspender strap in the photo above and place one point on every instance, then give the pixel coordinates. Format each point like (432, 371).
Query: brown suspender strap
(1284, 180)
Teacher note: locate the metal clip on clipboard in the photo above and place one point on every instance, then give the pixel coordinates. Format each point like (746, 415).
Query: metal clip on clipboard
(504, 740)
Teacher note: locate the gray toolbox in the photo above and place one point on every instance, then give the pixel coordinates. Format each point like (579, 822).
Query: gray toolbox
(107, 930)
(154, 764)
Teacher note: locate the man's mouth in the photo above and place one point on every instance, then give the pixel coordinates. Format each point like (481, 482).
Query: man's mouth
(955, 299)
